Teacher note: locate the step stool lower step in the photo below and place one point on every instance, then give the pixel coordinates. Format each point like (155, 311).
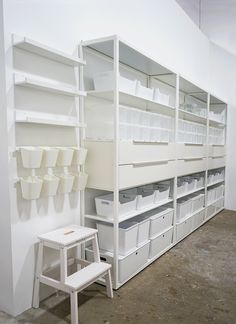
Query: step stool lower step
(82, 278)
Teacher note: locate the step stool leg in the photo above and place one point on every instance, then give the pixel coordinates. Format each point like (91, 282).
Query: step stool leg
(96, 249)
(38, 272)
(74, 307)
(109, 284)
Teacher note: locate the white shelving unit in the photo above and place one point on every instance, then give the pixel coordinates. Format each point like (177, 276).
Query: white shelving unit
(115, 164)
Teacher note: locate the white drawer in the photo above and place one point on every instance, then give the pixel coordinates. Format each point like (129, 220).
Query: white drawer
(128, 264)
(137, 174)
(210, 211)
(191, 151)
(191, 165)
(160, 222)
(183, 229)
(160, 243)
(198, 219)
(139, 152)
(216, 162)
(214, 150)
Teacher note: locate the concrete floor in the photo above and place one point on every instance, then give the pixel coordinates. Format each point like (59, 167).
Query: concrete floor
(195, 282)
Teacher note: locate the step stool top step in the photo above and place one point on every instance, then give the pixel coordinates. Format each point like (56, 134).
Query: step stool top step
(68, 235)
(83, 278)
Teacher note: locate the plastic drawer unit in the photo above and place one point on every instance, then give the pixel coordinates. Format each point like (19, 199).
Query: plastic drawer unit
(160, 243)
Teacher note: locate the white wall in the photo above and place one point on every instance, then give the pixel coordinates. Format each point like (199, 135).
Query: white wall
(158, 27)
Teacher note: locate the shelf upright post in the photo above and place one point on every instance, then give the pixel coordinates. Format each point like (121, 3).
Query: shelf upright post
(176, 157)
(207, 144)
(116, 159)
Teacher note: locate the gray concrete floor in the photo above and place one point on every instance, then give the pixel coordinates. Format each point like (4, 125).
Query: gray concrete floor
(195, 282)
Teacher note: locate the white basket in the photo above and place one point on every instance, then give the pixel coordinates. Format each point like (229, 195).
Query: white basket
(143, 228)
(50, 185)
(145, 196)
(105, 204)
(160, 97)
(31, 156)
(80, 181)
(197, 202)
(105, 81)
(79, 156)
(144, 92)
(66, 183)
(65, 156)
(160, 220)
(184, 208)
(162, 193)
(128, 232)
(50, 155)
(31, 187)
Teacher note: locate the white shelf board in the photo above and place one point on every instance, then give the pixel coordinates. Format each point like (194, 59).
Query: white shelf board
(34, 47)
(186, 115)
(214, 183)
(130, 215)
(50, 86)
(132, 100)
(190, 192)
(216, 123)
(213, 202)
(23, 116)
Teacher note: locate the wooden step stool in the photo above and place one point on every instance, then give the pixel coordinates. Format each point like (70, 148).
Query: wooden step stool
(64, 239)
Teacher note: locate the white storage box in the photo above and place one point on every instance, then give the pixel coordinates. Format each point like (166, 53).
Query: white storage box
(198, 181)
(105, 204)
(197, 202)
(143, 228)
(183, 229)
(160, 220)
(50, 185)
(50, 155)
(198, 219)
(145, 196)
(184, 208)
(66, 183)
(80, 181)
(144, 92)
(79, 156)
(105, 81)
(181, 187)
(210, 211)
(65, 156)
(160, 243)
(127, 265)
(190, 183)
(128, 233)
(160, 97)
(31, 156)
(31, 187)
(162, 193)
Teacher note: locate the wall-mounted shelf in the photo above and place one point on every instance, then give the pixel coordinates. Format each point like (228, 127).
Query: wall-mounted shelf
(50, 86)
(132, 100)
(29, 45)
(47, 119)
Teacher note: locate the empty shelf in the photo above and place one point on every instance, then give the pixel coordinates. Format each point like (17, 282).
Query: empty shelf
(45, 51)
(22, 116)
(87, 275)
(50, 86)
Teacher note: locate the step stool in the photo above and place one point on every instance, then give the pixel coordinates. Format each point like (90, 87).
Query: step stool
(64, 239)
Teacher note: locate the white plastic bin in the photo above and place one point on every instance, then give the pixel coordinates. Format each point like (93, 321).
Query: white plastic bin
(104, 204)
(105, 81)
(31, 187)
(184, 208)
(50, 185)
(66, 183)
(162, 193)
(160, 243)
(197, 202)
(143, 228)
(128, 233)
(80, 181)
(31, 156)
(65, 156)
(145, 196)
(181, 186)
(144, 92)
(160, 97)
(50, 155)
(79, 156)
(160, 220)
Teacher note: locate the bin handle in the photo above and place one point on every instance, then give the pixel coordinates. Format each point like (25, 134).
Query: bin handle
(143, 163)
(217, 156)
(193, 159)
(150, 143)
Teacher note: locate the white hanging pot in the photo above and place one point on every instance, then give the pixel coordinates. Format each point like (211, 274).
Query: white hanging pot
(80, 181)
(31, 156)
(31, 187)
(65, 156)
(50, 155)
(66, 183)
(50, 185)
(80, 155)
